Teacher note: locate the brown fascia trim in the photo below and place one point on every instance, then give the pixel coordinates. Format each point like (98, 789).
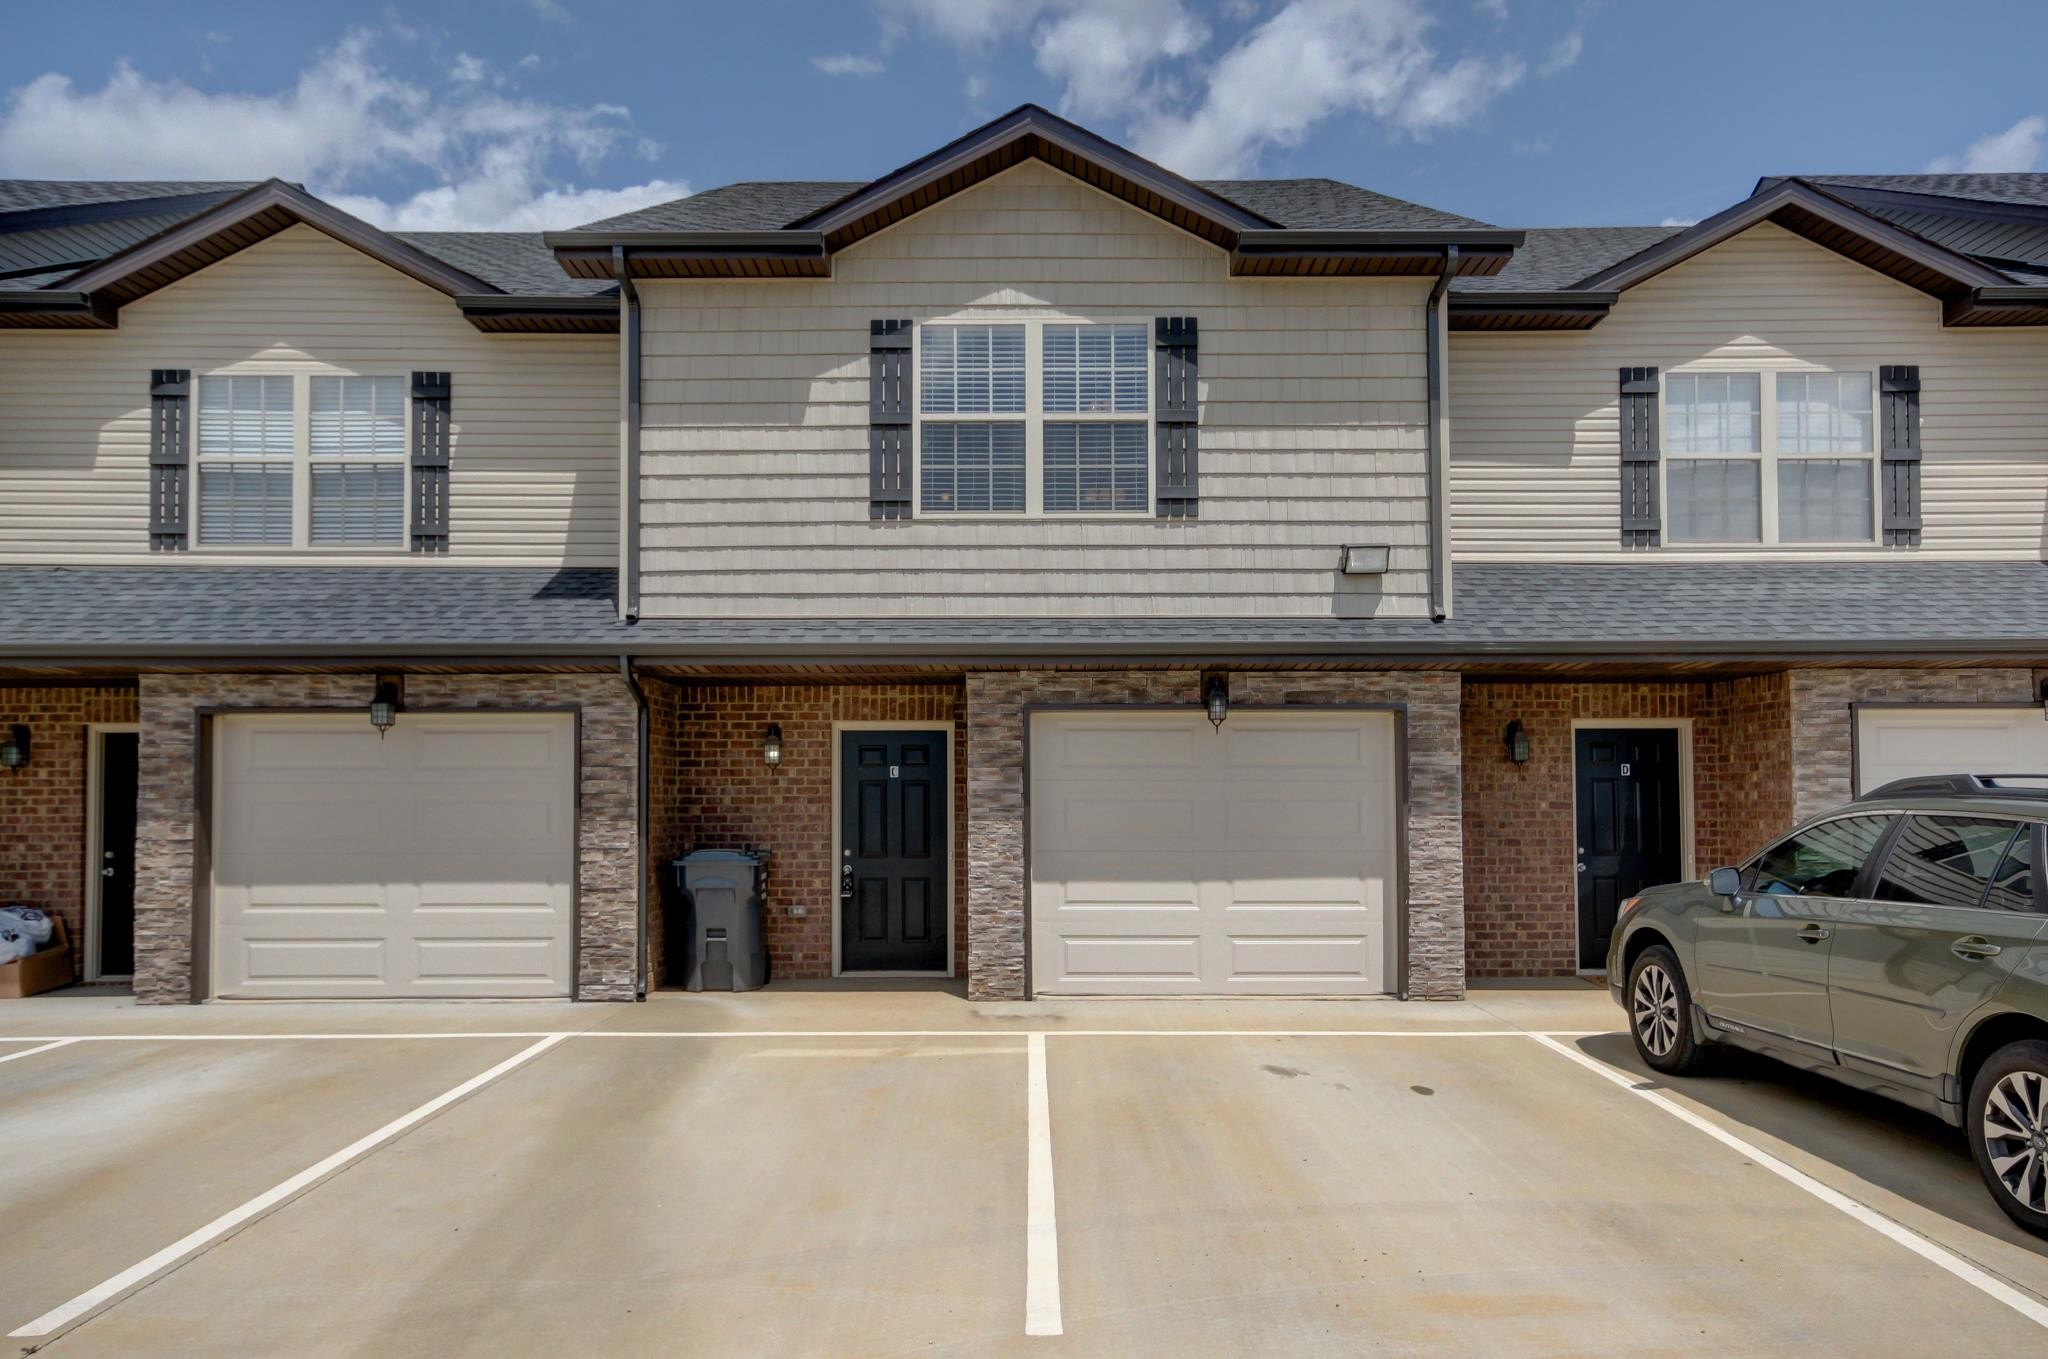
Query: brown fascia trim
(2005, 305)
(496, 312)
(1481, 252)
(55, 310)
(1558, 309)
(588, 254)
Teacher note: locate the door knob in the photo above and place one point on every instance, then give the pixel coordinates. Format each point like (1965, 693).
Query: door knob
(106, 872)
(1974, 948)
(1813, 934)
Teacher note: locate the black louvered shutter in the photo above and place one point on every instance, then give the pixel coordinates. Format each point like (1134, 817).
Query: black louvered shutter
(889, 399)
(1898, 480)
(430, 416)
(170, 459)
(1177, 443)
(1641, 520)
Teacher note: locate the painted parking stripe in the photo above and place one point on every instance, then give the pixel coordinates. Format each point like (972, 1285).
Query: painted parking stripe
(136, 1275)
(1042, 1233)
(799, 1033)
(1984, 1282)
(30, 1052)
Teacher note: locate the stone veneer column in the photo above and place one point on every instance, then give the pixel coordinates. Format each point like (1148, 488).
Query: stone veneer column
(998, 941)
(1823, 740)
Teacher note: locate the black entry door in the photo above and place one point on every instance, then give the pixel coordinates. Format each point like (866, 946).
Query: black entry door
(115, 941)
(1629, 835)
(893, 893)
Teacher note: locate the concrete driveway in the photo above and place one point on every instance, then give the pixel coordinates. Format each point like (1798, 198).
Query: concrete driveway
(825, 1172)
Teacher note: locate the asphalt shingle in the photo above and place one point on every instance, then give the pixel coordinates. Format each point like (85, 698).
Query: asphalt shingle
(1558, 257)
(30, 195)
(514, 262)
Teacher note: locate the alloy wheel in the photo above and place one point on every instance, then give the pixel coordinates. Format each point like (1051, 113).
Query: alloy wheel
(2016, 1138)
(1655, 1008)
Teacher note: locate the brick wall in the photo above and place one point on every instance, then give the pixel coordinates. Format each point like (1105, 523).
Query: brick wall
(1822, 739)
(997, 892)
(720, 793)
(42, 806)
(170, 853)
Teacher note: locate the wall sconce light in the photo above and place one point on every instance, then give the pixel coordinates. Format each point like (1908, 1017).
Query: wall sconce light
(1216, 700)
(771, 744)
(1517, 742)
(14, 750)
(1365, 559)
(384, 707)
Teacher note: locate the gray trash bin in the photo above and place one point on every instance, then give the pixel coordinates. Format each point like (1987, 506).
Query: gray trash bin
(724, 936)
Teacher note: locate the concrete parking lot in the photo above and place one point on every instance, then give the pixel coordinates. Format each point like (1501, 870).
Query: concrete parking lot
(832, 1172)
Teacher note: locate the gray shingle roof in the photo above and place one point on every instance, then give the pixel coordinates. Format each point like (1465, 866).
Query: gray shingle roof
(29, 195)
(754, 205)
(516, 262)
(1558, 257)
(1331, 204)
(80, 243)
(2030, 189)
(1631, 610)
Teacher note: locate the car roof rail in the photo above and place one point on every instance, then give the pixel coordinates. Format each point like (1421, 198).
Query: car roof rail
(1968, 785)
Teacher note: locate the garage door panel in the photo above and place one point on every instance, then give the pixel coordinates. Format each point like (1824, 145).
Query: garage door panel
(1116, 750)
(1263, 815)
(270, 963)
(1897, 743)
(452, 744)
(1300, 749)
(1312, 957)
(288, 750)
(474, 959)
(1167, 958)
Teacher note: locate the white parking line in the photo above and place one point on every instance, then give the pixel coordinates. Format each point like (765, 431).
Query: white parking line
(2027, 1306)
(135, 1276)
(30, 1052)
(796, 1033)
(1042, 1232)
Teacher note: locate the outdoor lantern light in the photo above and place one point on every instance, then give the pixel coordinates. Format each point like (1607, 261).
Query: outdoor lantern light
(14, 750)
(771, 744)
(384, 707)
(1517, 743)
(1217, 701)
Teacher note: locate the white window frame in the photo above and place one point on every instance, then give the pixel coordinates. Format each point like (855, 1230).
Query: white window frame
(1767, 457)
(1034, 419)
(302, 469)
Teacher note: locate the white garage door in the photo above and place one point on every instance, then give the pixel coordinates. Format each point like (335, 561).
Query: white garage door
(435, 862)
(1171, 858)
(1893, 743)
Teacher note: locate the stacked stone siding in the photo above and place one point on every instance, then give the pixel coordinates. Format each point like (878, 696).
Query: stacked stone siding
(1823, 738)
(171, 846)
(715, 791)
(997, 719)
(43, 811)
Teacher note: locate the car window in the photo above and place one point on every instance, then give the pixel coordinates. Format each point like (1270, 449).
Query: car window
(2012, 887)
(1820, 861)
(1944, 860)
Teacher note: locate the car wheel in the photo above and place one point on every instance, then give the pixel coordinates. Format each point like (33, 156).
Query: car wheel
(1660, 1012)
(2009, 1131)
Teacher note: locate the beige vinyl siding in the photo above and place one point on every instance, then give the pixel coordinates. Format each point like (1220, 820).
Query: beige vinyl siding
(534, 478)
(1534, 469)
(755, 428)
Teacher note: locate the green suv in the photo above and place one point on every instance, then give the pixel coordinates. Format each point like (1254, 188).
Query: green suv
(1894, 944)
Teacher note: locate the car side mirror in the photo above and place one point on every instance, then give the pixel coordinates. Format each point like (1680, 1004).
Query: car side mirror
(1725, 882)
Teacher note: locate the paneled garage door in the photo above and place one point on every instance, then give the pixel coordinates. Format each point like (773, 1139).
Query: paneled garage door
(1171, 858)
(437, 861)
(1893, 743)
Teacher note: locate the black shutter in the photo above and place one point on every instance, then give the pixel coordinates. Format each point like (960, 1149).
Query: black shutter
(170, 459)
(430, 415)
(1898, 403)
(1177, 444)
(889, 399)
(1641, 522)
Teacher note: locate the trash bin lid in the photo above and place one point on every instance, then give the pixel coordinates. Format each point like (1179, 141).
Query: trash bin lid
(720, 856)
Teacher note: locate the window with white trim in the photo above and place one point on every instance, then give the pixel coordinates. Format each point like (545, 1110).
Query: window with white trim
(1770, 458)
(301, 460)
(1034, 417)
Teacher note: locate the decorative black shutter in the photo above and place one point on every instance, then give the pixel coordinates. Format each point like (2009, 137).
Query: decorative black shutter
(430, 416)
(889, 398)
(1177, 443)
(170, 459)
(1642, 523)
(1898, 404)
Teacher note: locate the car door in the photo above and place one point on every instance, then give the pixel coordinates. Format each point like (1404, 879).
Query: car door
(1763, 958)
(1945, 921)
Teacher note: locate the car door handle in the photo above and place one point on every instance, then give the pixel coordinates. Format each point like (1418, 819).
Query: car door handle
(1814, 934)
(1974, 948)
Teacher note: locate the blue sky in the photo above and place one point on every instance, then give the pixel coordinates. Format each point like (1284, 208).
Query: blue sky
(524, 114)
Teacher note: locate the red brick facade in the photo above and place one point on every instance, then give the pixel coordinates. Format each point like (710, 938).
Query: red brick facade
(42, 806)
(712, 789)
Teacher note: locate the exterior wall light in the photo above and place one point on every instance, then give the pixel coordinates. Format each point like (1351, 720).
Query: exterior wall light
(14, 750)
(1517, 741)
(384, 707)
(771, 744)
(1365, 559)
(1216, 700)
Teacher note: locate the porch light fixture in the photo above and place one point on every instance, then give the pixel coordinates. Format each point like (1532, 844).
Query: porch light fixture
(1365, 559)
(384, 707)
(1517, 742)
(1217, 701)
(771, 744)
(14, 750)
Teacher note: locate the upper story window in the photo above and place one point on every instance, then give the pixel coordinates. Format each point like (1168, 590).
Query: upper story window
(1034, 417)
(270, 478)
(1770, 457)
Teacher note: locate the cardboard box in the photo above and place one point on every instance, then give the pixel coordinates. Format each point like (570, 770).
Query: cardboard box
(44, 970)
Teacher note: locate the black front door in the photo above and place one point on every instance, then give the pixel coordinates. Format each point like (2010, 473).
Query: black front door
(893, 893)
(1629, 836)
(114, 943)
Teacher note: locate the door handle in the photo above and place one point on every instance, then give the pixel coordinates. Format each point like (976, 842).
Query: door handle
(1814, 934)
(1974, 948)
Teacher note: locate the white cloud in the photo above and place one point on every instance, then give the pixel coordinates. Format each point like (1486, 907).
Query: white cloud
(1496, 10)
(1100, 53)
(1315, 59)
(848, 64)
(492, 159)
(2019, 147)
(551, 11)
(1563, 55)
(966, 23)
(1679, 221)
